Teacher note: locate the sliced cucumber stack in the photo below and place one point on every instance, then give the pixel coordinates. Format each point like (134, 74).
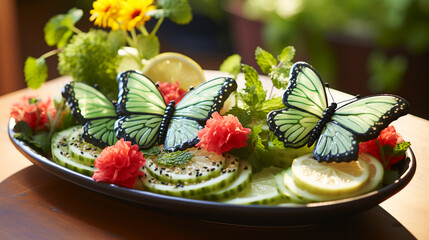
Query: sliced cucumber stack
(242, 181)
(61, 155)
(228, 174)
(83, 152)
(202, 166)
(262, 189)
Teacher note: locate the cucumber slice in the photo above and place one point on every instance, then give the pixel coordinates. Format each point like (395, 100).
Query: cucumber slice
(193, 189)
(82, 152)
(285, 191)
(60, 154)
(262, 189)
(283, 158)
(202, 166)
(242, 181)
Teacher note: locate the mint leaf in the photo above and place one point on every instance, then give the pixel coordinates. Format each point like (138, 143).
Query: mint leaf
(265, 60)
(174, 158)
(401, 148)
(287, 54)
(232, 65)
(398, 150)
(390, 176)
(280, 75)
(242, 114)
(177, 11)
(35, 71)
(41, 140)
(260, 157)
(254, 93)
(272, 104)
(23, 128)
(148, 46)
(276, 142)
(59, 28)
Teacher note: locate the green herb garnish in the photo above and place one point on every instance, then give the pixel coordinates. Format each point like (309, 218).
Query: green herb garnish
(253, 103)
(174, 158)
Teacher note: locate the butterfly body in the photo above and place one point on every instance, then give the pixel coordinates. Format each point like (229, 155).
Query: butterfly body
(326, 117)
(169, 112)
(334, 131)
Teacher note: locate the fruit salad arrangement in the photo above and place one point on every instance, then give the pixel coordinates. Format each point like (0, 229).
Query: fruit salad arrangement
(153, 132)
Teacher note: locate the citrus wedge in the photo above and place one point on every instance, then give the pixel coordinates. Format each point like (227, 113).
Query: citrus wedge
(172, 67)
(329, 178)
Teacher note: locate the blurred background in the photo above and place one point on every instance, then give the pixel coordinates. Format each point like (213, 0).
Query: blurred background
(360, 47)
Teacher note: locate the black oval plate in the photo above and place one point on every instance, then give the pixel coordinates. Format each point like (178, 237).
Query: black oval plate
(254, 215)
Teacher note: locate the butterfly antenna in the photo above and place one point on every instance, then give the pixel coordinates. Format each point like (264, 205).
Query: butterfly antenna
(162, 92)
(329, 91)
(350, 100)
(181, 96)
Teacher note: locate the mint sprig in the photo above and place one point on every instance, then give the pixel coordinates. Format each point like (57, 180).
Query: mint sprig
(40, 140)
(278, 69)
(253, 104)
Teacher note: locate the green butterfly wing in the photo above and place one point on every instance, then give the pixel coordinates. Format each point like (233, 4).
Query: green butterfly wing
(305, 90)
(368, 116)
(138, 94)
(336, 144)
(93, 110)
(142, 130)
(141, 107)
(194, 109)
(292, 126)
(181, 134)
(305, 100)
(209, 97)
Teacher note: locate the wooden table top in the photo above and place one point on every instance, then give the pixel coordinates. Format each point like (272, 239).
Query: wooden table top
(34, 204)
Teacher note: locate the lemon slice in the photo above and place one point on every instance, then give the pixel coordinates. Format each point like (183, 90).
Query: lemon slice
(376, 173)
(329, 178)
(172, 67)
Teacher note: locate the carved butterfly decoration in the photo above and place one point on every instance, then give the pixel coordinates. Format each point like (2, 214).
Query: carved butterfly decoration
(146, 119)
(335, 131)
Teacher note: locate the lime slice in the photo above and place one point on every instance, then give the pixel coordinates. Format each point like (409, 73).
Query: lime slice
(376, 172)
(172, 67)
(329, 178)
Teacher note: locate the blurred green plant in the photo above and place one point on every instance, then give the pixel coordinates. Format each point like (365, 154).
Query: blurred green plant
(307, 24)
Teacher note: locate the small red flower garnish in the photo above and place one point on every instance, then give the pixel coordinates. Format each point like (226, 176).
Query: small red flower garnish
(170, 91)
(388, 136)
(222, 133)
(119, 164)
(34, 111)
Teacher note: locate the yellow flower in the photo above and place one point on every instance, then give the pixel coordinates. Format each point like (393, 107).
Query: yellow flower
(133, 13)
(105, 13)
